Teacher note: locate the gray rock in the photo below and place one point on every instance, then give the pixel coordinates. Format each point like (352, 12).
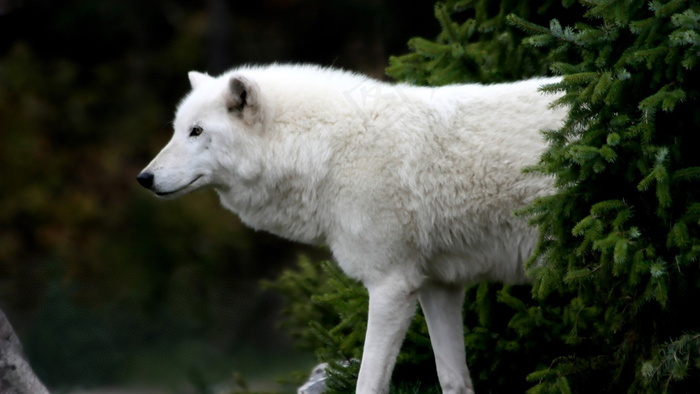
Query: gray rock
(16, 376)
(317, 381)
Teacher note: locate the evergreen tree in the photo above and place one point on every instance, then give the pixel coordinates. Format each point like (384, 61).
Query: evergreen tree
(477, 44)
(616, 269)
(620, 239)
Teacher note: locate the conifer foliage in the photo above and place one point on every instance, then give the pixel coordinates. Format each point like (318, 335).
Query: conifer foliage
(477, 44)
(617, 274)
(621, 237)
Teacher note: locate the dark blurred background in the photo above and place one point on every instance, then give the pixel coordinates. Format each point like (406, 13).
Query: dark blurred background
(105, 284)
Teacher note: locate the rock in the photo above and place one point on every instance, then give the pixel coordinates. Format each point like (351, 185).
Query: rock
(16, 376)
(317, 381)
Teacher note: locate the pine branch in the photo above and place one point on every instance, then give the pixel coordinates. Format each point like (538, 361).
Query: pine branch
(526, 26)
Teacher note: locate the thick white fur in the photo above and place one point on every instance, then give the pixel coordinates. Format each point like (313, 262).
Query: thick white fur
(412, 188)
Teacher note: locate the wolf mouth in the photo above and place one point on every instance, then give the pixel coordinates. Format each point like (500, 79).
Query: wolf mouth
(163, 194)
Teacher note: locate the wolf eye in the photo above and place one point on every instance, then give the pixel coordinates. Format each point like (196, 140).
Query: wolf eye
(195, 131)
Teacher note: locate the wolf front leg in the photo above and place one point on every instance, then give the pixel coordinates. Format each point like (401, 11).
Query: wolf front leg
(442, 307)
(392, 304)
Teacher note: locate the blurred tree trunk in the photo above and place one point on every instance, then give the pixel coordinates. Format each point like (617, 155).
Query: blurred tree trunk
(16, 376)
(219, 56)
(8, 5)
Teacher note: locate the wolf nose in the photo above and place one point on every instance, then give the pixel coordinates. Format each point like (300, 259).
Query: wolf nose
(145, 179)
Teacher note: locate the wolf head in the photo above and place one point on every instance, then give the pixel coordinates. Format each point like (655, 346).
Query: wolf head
(214, 140)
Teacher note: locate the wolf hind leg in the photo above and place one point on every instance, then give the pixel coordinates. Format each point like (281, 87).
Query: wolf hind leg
(442, 307)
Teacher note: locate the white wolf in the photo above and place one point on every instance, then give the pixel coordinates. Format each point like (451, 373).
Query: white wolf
(412, 188)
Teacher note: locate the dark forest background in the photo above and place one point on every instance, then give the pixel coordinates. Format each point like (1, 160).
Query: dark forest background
(105, 284)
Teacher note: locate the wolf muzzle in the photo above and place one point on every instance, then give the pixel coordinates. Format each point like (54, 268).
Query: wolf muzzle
(145, 179)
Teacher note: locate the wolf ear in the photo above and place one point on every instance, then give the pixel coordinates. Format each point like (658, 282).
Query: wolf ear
(197, 78)
(242, 99)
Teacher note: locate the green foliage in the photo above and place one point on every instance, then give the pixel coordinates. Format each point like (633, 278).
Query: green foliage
(477, 44)
(620, 238)
(672, 361)
(300, 287)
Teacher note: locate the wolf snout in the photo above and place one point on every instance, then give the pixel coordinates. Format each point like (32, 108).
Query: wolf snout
(145, 179)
